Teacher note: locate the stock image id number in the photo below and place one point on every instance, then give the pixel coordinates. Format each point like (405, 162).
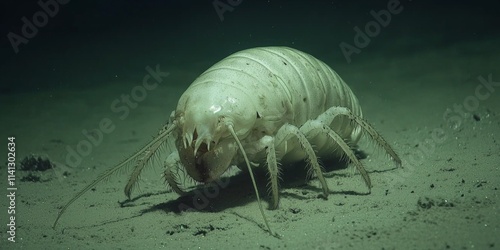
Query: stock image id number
(11, 160)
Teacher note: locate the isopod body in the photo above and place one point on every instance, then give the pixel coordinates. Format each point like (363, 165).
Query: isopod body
(258, 107)
(259, 90)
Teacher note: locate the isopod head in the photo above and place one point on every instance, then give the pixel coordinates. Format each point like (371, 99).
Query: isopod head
(204, 114)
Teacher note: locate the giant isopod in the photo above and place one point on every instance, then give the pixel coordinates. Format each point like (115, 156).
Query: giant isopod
(256, 108)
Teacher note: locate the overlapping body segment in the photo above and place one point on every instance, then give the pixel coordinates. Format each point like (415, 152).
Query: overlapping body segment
(282, 85)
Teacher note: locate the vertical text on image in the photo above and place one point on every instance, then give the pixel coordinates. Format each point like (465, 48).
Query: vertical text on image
(11, 188)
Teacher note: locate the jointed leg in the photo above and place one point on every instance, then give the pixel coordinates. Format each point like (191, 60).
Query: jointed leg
(267, 144)
(272, 166)
(314, 127)
(172, 162)
(149, 153)
(328, 116)
(285, 133)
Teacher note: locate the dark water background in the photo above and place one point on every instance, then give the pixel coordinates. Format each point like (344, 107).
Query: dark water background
(90, 42)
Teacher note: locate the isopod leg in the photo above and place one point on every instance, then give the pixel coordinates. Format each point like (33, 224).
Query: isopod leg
(328, 116)
(173, 162)
(272, 167)
(285, 133)
(313, 127)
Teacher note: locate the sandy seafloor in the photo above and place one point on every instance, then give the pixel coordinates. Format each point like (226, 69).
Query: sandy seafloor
(444, 197)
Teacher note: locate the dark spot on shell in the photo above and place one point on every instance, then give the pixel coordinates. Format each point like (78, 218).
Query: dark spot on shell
(258, 115)
(304, 99)
(284, 63)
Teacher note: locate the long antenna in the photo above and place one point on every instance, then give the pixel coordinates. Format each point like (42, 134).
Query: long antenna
(231, 129)
(112, 170)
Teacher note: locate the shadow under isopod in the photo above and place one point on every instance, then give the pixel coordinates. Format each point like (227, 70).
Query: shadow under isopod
(237, 190)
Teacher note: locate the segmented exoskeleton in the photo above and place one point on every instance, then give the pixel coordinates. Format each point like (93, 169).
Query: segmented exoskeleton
(258, 107)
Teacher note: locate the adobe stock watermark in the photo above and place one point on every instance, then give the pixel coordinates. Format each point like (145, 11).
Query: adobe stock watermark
(120, 106)
(454, 118)
(372, 29)
(40, 19)
(221, 7)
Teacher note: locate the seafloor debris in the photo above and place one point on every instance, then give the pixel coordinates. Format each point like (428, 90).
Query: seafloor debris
(33, 167)
(36, 163)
